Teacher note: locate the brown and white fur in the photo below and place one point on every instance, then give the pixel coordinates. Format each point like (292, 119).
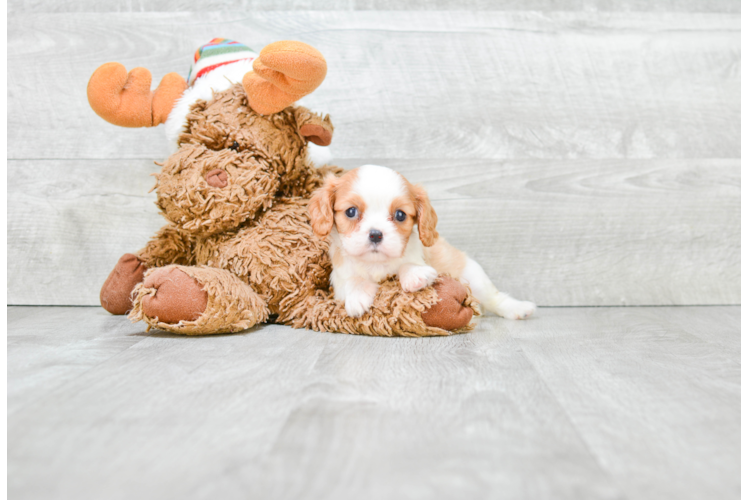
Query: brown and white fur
(359, 213)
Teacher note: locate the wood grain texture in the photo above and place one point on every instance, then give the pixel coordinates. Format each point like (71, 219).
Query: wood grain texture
(495, 84)
(69, 222)
(744, 233)
(49, 347)
(576, 403)
(615, 232)
(21, 6)
(621, 376)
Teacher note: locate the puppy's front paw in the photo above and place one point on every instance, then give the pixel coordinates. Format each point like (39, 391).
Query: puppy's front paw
(515, 309)
(414, 278)
(359, 300)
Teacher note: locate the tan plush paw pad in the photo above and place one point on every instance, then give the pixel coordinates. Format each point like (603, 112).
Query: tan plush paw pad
(178, 297)
(451, 312)
(115, 292)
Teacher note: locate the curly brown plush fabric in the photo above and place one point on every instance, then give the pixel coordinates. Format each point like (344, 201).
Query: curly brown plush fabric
(170, 245)
(231, 305)
(394, 313)
(279, 255)
(239, 246)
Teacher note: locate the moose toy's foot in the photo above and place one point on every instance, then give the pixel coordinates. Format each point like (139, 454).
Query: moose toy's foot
(176, 297)
(196, 301)
(115, 293)
(453, 311)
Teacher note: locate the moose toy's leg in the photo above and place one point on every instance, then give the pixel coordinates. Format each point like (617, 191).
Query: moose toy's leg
(442, 309)
(196, 301)
(168, 246)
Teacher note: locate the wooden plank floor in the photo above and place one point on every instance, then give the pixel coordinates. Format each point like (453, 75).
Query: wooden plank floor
(640, 403)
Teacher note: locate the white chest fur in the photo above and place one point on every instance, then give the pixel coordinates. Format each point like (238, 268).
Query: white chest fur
(348, 268)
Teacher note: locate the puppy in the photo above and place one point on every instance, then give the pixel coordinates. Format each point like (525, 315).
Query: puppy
(379, 224)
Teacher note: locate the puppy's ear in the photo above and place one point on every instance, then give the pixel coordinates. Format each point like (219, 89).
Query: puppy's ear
(321, 214)
(426, 217)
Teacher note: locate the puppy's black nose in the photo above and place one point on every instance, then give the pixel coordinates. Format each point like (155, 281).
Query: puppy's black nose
(375, 235)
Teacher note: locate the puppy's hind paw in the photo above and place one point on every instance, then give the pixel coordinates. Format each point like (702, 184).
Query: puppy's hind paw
(515, 309)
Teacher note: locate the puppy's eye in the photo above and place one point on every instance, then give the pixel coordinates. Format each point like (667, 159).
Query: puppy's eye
(400, 216)
(234, 146)
(351, 213)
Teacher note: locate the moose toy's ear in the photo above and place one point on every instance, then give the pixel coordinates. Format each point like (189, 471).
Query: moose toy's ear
(283, 73)
(313, 127)
(125, 99)
(316, 133)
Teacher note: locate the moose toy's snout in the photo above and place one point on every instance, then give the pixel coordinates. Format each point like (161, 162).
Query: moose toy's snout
(217, 178)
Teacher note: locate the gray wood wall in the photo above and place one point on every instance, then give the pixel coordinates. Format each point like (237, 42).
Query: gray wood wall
(586, 152)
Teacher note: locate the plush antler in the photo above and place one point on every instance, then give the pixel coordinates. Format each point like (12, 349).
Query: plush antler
(283, 73)
(125, 99)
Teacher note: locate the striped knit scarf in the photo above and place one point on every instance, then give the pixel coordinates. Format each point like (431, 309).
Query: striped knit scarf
(218, 52)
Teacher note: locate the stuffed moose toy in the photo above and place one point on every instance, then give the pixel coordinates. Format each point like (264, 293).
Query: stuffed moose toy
(238, 248)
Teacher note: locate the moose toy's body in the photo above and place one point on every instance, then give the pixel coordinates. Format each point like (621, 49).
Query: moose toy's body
(239, 247)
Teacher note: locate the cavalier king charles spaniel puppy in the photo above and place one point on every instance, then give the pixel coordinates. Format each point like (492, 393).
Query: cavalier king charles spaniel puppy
(379, 224)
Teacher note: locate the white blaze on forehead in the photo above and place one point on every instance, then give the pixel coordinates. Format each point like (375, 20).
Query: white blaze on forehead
(378, 186)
